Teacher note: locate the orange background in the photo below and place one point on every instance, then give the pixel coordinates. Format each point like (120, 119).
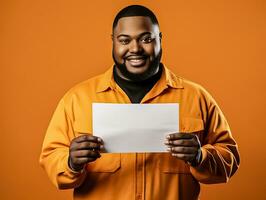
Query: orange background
(48, 46)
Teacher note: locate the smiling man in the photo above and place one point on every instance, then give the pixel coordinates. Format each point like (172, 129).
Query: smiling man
(136, 52)
(204, 150)
(136, 47)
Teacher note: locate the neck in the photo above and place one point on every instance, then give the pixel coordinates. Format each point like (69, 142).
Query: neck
(120, 74)
(136, 90)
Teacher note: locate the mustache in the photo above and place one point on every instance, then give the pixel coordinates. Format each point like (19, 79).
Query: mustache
(132, 56)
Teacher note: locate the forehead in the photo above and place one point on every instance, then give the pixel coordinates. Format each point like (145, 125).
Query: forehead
(135, 25)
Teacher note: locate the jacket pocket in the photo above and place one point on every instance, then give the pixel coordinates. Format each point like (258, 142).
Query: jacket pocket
(191, 125)
(108, 162)
(170, 164)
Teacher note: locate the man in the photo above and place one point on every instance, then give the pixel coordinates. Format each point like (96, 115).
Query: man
(203, 152)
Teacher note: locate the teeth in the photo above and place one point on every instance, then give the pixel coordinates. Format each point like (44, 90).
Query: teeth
(136, 60)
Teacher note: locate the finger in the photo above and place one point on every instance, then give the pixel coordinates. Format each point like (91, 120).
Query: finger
(182, 142)
(87, 137)
(87, 145)
(180, 135)
(183, 150)
(85, 153)
(185, 157)
(83, 160)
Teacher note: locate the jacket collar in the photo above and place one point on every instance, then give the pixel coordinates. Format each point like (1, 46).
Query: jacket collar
(168, 79)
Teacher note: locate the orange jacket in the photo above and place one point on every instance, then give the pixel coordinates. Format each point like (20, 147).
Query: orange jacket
(140, 175)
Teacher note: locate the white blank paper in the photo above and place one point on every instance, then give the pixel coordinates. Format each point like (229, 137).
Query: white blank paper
(127, 128)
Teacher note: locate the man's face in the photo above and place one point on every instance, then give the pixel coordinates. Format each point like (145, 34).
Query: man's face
(136, 47)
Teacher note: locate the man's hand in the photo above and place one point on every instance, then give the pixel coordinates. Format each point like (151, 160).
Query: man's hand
(84, 149)
(184, 146)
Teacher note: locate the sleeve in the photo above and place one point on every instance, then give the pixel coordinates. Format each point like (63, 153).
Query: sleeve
(220, 155)
(55, 151)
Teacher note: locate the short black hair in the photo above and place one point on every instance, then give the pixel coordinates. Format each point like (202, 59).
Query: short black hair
(135, 10)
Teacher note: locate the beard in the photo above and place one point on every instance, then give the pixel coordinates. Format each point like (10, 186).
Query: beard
(152, 69)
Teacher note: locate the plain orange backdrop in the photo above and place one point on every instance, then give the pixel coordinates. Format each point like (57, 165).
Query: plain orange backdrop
(48, 46)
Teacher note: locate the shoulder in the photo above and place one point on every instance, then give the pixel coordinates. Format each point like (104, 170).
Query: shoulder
(83, 89)
(186, 84)
(192, 90)
(200, 92)
(194, 87)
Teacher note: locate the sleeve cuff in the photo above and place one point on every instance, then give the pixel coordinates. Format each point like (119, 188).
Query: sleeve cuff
(203, 158)
(68, 171)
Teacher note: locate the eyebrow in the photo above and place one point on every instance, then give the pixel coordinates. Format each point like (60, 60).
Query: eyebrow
(124, 35)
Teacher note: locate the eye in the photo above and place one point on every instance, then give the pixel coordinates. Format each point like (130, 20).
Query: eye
(147, 39)
(124, 41)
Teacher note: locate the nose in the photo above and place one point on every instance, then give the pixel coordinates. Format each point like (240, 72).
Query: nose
(135, 47)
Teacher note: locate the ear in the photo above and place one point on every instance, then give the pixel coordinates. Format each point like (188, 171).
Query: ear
(160, 35)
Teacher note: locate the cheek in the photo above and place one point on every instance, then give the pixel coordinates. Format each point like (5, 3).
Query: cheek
(152, 49)
(148, 49)
(119, 51)
(157, 48)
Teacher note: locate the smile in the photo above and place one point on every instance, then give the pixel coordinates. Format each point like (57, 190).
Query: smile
(136, 61)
